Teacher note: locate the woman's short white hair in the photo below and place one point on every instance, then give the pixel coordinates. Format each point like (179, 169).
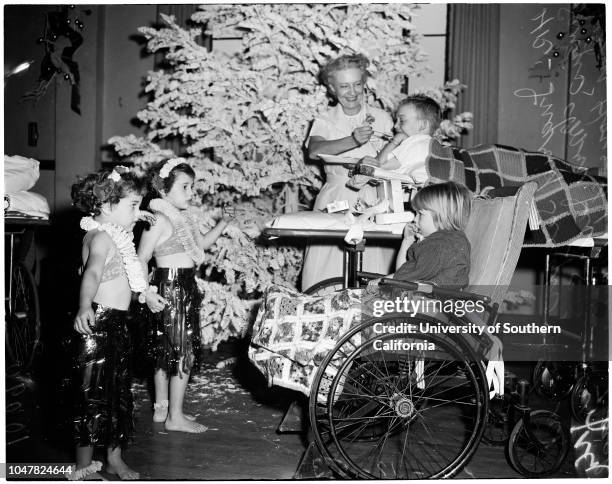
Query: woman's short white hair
(347, 61)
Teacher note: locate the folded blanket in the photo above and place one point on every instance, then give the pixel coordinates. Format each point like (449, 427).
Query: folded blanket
(20, 173)
(27, 203)
(569, 203)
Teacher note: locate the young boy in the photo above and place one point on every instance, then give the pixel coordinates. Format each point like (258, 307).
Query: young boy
(418, 117)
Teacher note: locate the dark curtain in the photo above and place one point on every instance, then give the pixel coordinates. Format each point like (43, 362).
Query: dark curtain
(473, 58)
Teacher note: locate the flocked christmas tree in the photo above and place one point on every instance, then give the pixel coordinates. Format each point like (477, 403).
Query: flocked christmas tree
(241, 121)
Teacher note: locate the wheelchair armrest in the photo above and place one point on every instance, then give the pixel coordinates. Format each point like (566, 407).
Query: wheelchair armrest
(435, 290)
(369, 275)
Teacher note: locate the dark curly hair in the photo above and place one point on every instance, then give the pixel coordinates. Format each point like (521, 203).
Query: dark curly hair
(346, 61)
(157, 183)
(90, 193)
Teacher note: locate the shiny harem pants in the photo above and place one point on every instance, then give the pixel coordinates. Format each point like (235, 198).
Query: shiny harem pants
(103, 413)
(175, 330)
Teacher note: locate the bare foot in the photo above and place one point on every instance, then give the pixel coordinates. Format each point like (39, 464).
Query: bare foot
(94, 477)
(117, 466)
(182, 424)
(161, 414)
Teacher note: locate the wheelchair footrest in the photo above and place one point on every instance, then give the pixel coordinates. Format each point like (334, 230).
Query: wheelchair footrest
(313, 466)
(293, 419)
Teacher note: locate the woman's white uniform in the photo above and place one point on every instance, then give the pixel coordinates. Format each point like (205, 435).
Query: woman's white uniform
(325, 260)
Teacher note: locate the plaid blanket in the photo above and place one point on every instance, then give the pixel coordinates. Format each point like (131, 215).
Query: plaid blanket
(569, 203)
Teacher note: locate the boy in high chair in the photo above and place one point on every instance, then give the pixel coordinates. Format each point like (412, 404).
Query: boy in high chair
(418, 118)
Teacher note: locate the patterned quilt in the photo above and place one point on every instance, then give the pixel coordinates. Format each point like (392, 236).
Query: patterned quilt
(293, 333)
(569, 203)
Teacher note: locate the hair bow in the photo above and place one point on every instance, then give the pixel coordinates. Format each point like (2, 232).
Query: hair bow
(115, 175)
(169, 166)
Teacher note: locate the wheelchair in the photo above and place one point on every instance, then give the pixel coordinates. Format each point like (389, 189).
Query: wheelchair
(384, 406)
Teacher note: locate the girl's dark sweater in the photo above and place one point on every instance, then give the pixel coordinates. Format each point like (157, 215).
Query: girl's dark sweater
(442, 258)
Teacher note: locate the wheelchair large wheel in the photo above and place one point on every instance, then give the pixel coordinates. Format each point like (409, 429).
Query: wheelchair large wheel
(387, 406)
(327, 286)
(23, 320)
(331, 285)
(542, 450)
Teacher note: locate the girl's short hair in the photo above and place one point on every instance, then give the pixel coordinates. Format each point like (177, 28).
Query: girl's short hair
(450, 204)
(104, 186)
(346, 61)
(159, 184)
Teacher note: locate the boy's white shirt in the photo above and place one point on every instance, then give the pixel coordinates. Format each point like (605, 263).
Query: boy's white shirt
(411, 155)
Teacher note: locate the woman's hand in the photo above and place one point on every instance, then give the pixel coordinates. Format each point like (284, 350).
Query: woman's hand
(84, 320)
(155, 302)
(362, 134)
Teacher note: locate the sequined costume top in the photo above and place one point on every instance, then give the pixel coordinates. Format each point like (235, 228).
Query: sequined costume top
(113, 267)
(172, 245)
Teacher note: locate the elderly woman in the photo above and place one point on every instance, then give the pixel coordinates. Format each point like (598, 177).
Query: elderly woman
(349, 128)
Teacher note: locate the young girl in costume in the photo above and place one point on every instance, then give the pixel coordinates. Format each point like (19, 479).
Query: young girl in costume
(178, 247)
(112, 272)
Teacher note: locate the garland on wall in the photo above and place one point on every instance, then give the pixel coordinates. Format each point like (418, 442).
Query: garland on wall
(587, 31)
(253, 109)
(62, 30)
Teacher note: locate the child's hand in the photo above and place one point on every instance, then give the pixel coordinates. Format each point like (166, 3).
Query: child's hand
(369, 160)
(228, 214)
(398, 138)
(155, 302)
(411, 234)
(410, 231)
(84, 320)
(373, 286)
(362, 134)
(146, 216)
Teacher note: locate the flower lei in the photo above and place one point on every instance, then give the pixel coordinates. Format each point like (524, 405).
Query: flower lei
(123, 241)
(181, 228)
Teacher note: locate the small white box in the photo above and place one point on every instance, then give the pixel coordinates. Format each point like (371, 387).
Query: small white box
(337, 206)
(394, 218)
